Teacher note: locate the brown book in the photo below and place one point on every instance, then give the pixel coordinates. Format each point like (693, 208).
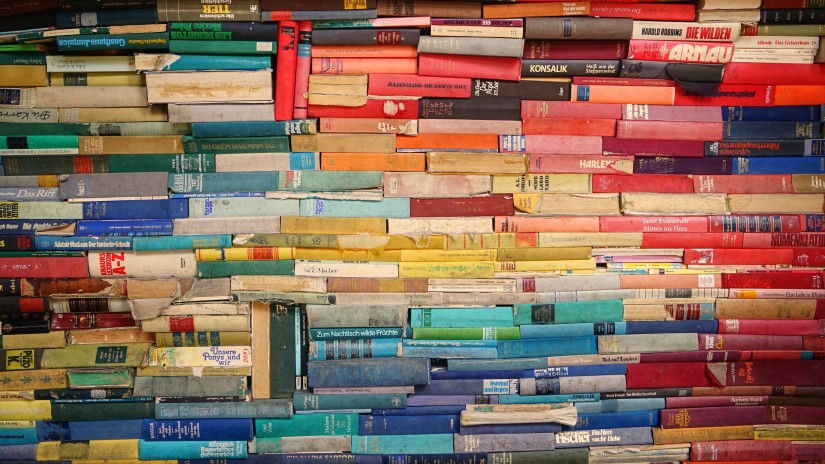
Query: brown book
(578, 28)
(432, 8)
(89, 286)
(135, 144)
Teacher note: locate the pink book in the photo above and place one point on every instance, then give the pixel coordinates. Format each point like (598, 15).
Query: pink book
(582, 164)
(566, 109)
(725, 341)
(664, 130)
(480, 67)
(551, 144)
(750, 183)
(656, 183)
(635, 112)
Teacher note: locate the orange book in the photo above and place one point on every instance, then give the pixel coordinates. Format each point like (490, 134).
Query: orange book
(799, 95)
(445, 141)
(546, 224)
(364, 51)
(527, 10)
(635, 94)
(670, 280)
(364, 65)
(393, 162)
(369, 125)
(569, 126)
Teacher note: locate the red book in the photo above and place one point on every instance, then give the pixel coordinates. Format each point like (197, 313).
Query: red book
(808, 257)
(670, 224)
(662, 183)
(575, 49)
(646, 148)
(569, 126)
(773, 279)
(473, 66)
(692, 240)
(286, 62)
(771, 327)
(623, 81)
(690, 356)
(634, 112)
(711, 417)
(665, 130)
(774, 355)
(788, 4)
(756, 223)
(749, 342)
(302, 67)
(669, 375)
(769, 73)
(419, 86)
(69, 321)
(375, 108)
(674, 402)
(45, 266)
(741, 450)
(750, 183)
(564, 109)
(17, 304)
(645, 11)
(738, 256)
(582, 164)
(493, 205)
(814, 343)
(680, 51)
(551, 144)
(731, 94)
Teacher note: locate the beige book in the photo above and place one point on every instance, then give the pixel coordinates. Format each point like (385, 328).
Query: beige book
(260, 350)
(220, 112)
(209, 86)
(116, 96)
(698, 434)
(593, 239)
(357, 315)
(674, 204)
(90, 63)
(468, 126)
(795, 203)
(448, 270)
(130, 144)
(230, 225)
(154, 113)
(318, 268)
(418, 227)
(171, 288)
(331, 225)
(343, 143)
(487, 299)
(423, 185)
(178, 371)
(407, 299)
(568, 204)
(479, 414)
(338, 90)
(476, 163)
(354, 101)
(283, 283)
(94, 79)
(243, 162)
(766, 308)
(111, 450)
(728, 4)
(109, 335)
(748, 16)
(542, 183)
(648, 343)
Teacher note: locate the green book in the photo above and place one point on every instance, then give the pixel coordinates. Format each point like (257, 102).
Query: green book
(284, 349)
(54, 164)
(176, 163)
(20, 47)
(213, 269)
(108, 355)
(139, 41)
(100, 378)
(39, 128)
(466, 333)
(25, 58)
(321, 424)
(274, 144)
(223, 47)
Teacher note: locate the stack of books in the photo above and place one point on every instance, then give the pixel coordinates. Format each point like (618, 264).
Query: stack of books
(412, 231)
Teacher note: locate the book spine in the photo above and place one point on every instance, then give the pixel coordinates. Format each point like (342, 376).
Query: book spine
(286, 67)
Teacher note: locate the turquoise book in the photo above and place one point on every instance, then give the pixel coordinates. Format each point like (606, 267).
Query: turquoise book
(569, 312)
(321, 424)
(495, 316)
(402, 444)
(386, 208)
(227, 449)
(449, 349)
(181, 242)
(242, 207)
(578, 398)
(172, 163)
(580, 329)
(354, 348)
(212, 269)
(329, 181)
(546, 347)
(24, 58)
(136, 41)
(18, 436)
(224, 47)
(223, 182)
(196, 62)
(303, 401)
(224, 145)
(254, 128)
(8, 142)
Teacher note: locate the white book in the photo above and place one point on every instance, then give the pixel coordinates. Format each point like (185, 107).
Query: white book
(234, 207)
(409, 299)
(648, 343)
(487, 299)
(220, 112)
(115, 96)
(37, 151)
(416, 227)
(471, 126)
(478, 46)
(278, 283)
(758, 52)
(244, 162)
(166, 263)
(457, 30)
(782, 59)
(326, 268)
(773, 42)
(678, 30)
(43, 115)
(424, 185)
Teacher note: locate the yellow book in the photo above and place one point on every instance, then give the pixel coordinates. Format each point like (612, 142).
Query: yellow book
(448, 255)
(491, 240)
(448, 270)
(330, 225)
(101, 78)
(56, 339)
(329, 254)
(166, 371)
(542, 183)
(260, 348)
(92, 449)
(36, 379)
(347, 241)
(567, 204)
(593, 239)
(545, 266)
(789, 432)
(692, 434)
(390, 242)
(25, 410)
(543, 254)
(23, 75)
(197, 356)
(245, 253)
(96, 355)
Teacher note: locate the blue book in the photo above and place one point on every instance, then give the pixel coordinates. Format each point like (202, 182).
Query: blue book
(253, 128)
(770, 130)
(654, 327)
(469, 387)
(105, 430)
(580, 329)
(815, 147)
(136, 209)
(52, 430)
(386, 208)
(400, 444)
(333, 333)
(29, 226)
(149, 450)
(445, 374)
(421, 410)
(445, 349)
(29, 194)
(778, 165)
(73, 19)
(18, 453)
(547, 427)
(181, 242)
(224, 409)
(124, 227)
(450, 400)
(561, 398)
(613, 420)
(354, 348)
(494, 364)
(218, 182)
(50, 242)
(497, 316)
(407, 425)
(772, 113)
(546, 347)
(629, 404)
(18, 436)
(602, 437)
(303, 401)
(197, 429)
(187, 62)
(368, 372)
